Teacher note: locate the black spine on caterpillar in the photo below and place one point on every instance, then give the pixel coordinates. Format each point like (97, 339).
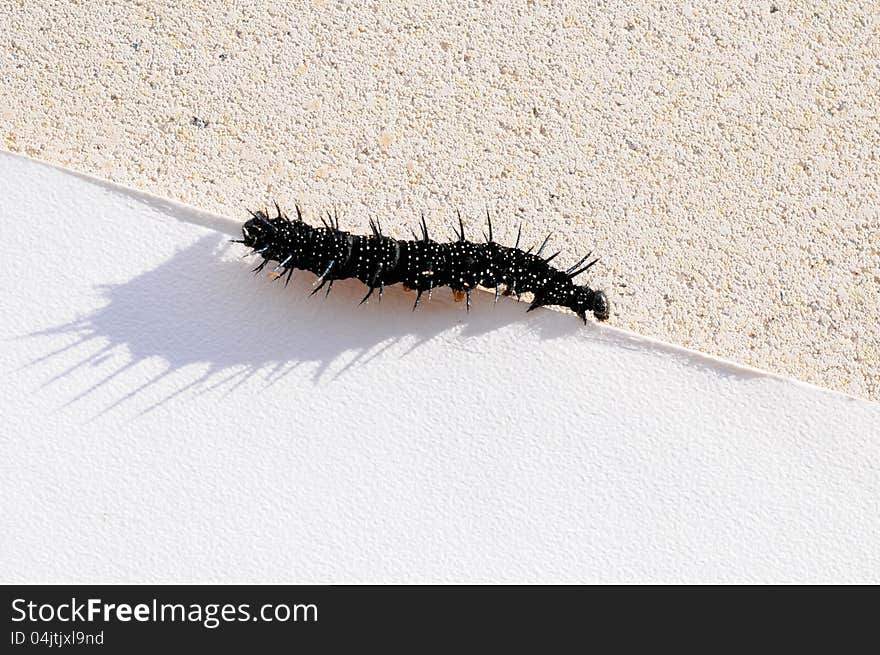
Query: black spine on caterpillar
(421, 264)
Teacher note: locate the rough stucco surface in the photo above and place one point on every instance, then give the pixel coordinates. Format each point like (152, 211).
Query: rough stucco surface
(169, 417)
(723, 159)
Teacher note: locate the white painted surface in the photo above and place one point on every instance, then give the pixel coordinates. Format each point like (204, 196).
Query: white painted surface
(169, 417)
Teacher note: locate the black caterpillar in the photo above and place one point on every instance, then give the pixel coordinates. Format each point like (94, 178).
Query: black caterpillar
(420, 265)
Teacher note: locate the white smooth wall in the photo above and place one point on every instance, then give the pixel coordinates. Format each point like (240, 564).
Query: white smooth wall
(169, 417)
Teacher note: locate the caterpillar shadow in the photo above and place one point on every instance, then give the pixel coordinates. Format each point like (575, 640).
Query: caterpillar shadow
(201, 307)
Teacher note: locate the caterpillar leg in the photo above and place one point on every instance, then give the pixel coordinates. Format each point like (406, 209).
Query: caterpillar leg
(458, 295)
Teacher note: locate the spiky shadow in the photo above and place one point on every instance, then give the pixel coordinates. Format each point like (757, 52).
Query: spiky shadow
(199, 308)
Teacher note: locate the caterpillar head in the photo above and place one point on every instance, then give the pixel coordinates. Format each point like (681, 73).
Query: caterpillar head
(601, 306)
(257, 231)
(589, 300)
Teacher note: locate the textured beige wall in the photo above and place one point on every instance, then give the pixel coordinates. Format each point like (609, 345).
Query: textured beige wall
(722, 157)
